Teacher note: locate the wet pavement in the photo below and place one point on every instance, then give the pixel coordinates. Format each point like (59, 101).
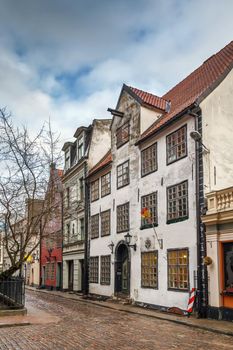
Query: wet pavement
(61, 323)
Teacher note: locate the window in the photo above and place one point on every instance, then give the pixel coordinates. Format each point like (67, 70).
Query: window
(67, 232)
(105, 222)
(122, 135)
(80, 148)
(123, 217)
(150, 202)
(49, 271)
(123, 174)
(228, 267)
(95, 190)
(177, 198)
(81, 189)
(73, 229)
(67, 197)
(177, 145)
(149, 159)
(105, 269)
(95, 226)
(178, 269)
(67, 159)
(149, 269)
(94, 270)
(81, 229)
(105, 184)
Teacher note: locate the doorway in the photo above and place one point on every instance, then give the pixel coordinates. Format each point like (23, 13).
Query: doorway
(59, 276)
(70, 274)
(122, 270)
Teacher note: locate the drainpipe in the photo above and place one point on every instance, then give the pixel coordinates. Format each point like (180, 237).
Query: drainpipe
(202, 279)
(86, 250)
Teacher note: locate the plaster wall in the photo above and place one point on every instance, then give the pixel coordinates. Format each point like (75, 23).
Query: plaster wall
(217, 113)
(77, 281)
(100, 141)
(147, 118)
(212, 246)
(177, 235)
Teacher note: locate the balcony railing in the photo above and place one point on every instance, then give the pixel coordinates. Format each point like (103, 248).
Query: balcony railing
(220, 200)
(12, 292)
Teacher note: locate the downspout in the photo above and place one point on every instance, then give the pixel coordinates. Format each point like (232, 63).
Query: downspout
(202, 279)
(86, 248)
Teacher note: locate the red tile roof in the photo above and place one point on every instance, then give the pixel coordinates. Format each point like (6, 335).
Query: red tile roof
(150, 99)
(107, 159)
(195, 86)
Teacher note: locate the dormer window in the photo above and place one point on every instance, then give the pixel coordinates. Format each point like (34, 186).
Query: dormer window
(122, 135)
(67, 159)
(80, 147)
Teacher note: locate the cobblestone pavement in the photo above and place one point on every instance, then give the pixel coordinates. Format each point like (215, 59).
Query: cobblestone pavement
(86, 326)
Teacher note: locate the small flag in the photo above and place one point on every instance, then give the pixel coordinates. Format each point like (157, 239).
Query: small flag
(145, 213)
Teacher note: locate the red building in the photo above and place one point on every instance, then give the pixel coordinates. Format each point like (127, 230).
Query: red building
(51, 243)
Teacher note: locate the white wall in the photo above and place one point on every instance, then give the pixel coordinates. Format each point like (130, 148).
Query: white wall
(217, 113)
(148, 117)
(100, 142)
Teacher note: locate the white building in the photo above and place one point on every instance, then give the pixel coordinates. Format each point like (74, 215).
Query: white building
(166, 153)
(90, 145)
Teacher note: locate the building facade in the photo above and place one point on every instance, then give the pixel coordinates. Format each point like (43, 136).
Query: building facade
(51, 241)
(90, 145)
(219, 239)
(166, 153)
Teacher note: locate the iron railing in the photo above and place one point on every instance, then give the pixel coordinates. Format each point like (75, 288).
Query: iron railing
(12, 292)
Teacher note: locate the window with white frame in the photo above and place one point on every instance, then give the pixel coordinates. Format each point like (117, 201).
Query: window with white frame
(123, 217)
(177, 145)
(94, 269)
(80, 147)
(81, 229)
(177, 202)
(149, 159)
(123, 174)
(94, 190)
(67, 159)
(106, 184)
(80, 189)
(105, 269)
(178, 269)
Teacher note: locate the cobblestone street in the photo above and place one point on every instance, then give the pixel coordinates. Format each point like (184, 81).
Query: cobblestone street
(79, 325)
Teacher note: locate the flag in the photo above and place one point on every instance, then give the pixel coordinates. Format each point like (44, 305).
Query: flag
(145, 213)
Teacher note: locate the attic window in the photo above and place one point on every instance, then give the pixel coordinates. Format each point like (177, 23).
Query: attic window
(80, 148)
(122, 135)
(67, 159)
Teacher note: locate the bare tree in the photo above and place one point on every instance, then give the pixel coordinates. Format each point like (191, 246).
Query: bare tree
(25, 204)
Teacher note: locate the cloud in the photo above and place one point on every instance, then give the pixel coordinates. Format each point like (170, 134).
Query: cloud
(68, 59)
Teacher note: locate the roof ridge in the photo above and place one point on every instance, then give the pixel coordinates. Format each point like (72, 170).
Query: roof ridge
(216, 54)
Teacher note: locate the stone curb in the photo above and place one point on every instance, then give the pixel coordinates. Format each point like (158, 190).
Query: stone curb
(7, 325)
(139, 312)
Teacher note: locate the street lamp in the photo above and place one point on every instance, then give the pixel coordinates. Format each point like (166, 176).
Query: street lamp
(111, 246)
(128, 240)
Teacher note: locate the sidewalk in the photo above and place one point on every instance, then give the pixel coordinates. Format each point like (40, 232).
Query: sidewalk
(221, 327)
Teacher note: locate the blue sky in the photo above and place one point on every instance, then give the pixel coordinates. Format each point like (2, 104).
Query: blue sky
(68, 59)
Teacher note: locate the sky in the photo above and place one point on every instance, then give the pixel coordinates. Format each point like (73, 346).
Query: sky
(67, 59)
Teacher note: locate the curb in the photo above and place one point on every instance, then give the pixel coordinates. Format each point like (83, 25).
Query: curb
(7, 325)
(180, 322)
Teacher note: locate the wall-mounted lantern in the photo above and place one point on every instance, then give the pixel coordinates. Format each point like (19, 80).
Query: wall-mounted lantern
(128, 240)
(111, 246)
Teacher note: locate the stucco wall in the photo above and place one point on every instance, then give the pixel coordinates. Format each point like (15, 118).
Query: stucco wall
(148, 117)
(217, 113)
(177, 235)
(100, 141)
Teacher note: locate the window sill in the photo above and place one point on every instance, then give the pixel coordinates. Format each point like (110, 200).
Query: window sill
(144, 227)
(178, 290)
(172, 221)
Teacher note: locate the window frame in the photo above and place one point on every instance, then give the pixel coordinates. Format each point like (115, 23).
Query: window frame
(101, 230)
(103, 280)
(148, 225)
(183, 218)
(106, 194)
(157, 279)
(98, 196)
(117, 176)
(126, 124)
(92, 217)
(156, 160)
(186, 290)
(96, 281)
(186, 143)
(119, 206)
